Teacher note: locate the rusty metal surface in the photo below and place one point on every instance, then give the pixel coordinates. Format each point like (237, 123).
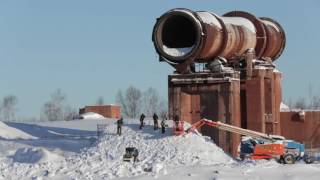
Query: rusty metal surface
(215, 100)
(260, 101)
(276, 39)
(208, 35)
(278, 100)
(215, 32)
(170, 30)
(254, 92)
(217, 96)
(260, 29)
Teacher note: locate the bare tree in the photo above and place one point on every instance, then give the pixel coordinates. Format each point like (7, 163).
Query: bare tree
(314, 99)
(290, 103)
(100, 101)
(163, 109)
(53, 110)
(8, 107)
(131, 103)
(121, 101)
(70, 113)
(315, 102)
(151, 101)
(133, 99)
(300, 103)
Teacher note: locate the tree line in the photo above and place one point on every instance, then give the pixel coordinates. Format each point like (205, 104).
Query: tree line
(304, 103)
(133, 102)
(52, 110)
(311, 101)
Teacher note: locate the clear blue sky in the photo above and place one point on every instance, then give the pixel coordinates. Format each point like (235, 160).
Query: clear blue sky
(93, 48)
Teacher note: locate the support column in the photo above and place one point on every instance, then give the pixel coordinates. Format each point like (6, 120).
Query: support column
(255, 102)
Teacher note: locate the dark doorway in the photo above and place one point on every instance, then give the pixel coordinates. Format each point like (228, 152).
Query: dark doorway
(243, 108)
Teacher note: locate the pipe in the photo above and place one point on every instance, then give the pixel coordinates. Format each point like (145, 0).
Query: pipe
(276, 38)
(181, 34)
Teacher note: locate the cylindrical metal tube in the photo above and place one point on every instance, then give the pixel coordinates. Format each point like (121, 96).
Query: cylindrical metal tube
(241, 36)
(180, 34)
(276, 39)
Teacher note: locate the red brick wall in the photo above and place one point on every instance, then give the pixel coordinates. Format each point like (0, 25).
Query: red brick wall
(302, 130)
(108, 111)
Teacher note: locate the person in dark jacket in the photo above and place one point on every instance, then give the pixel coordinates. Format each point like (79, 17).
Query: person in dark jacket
(141, 120)
(119, 126)
(155, 121)
(176, 121)
(135, 155)
(163, 126)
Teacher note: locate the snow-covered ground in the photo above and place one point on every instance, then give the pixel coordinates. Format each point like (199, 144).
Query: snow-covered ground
(71, 150)
(7, 132)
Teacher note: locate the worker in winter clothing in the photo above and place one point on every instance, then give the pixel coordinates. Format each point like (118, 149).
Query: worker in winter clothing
(141, 120)
(176, 121)
(119, 125)
(163, 126)
(155, 121)
(135, 155)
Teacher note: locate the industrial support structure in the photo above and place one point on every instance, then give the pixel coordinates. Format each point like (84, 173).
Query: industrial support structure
(223, 70)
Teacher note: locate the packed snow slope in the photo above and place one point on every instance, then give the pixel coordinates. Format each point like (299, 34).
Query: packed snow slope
(161, 156)
(7, 132)
(156, 151)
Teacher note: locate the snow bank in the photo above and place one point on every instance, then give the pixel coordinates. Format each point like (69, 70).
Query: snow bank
(34, 155)
(92, 115)
(7, 132)
(164, 157)
(157, 152)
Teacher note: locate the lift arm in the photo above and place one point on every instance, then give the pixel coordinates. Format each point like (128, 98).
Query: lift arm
(230, 128)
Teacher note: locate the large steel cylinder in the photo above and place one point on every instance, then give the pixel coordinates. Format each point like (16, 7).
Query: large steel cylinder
(180, 34)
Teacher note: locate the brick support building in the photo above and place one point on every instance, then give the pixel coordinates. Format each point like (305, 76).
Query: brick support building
(108, 111)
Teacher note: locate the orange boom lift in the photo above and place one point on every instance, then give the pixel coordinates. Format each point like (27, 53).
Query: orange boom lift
(268, 150)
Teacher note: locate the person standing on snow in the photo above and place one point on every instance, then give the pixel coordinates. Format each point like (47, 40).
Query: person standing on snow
(119, 125)
(176, 121)
(163, 126)
(141, 120)
(155, 121)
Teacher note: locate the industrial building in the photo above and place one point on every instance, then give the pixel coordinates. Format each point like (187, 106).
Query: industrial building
(302, 126)
(224, 71)
(108, 111)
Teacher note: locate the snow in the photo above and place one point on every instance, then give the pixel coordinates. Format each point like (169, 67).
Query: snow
(92, 115)
(70, 150)
(34, 155)
(156, 151)
(284, 107)
(8, 132)
(176, 52)
(239, 21)
(276, 70)
(210, 19)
